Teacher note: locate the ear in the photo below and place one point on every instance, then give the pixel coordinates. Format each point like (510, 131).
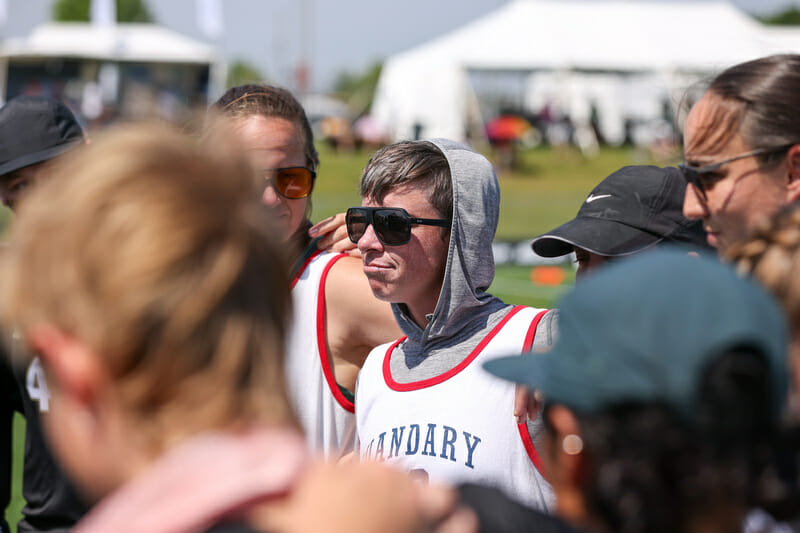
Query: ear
(565, 426)
(73, 365)
(793, 177)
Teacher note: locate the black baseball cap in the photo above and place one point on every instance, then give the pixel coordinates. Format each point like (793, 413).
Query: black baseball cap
(632, 209)
(646, 330)
(34, 129)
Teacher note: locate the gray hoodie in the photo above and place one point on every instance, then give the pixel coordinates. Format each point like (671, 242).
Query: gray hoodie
(465, 312)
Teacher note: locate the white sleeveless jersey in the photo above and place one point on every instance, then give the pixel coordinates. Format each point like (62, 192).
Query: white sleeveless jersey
(325, 414)
(457, 427)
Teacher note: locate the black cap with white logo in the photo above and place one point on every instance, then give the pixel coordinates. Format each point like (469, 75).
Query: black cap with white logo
(632, 209)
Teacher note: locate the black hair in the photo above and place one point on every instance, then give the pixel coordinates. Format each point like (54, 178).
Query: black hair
(648, 469)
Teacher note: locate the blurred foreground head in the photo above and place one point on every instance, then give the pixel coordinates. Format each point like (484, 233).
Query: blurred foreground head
(667, 381)
(147, 278)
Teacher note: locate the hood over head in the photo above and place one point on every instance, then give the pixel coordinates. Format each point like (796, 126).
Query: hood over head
(463, 301)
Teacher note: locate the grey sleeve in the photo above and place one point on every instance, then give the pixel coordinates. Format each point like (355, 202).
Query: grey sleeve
(546, 331)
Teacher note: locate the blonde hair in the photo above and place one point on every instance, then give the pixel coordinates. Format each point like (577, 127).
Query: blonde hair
(772, 256)
(156, 253)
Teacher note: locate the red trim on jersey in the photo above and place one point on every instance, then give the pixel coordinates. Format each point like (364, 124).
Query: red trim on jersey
(526, 347)
(531, 449)
(416, 385)
(303, 268)
(323, 346)
(523, 427)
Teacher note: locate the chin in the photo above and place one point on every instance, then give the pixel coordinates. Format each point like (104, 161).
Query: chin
(380, 290)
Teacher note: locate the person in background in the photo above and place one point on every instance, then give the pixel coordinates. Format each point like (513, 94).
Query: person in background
(663, 390)
(632, 210)
(425, 228)
(742, 148)
(337, 321)
(34, 132)
(156, 298)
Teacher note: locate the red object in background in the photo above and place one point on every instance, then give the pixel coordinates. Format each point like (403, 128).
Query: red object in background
(548, 275)
(507, 128)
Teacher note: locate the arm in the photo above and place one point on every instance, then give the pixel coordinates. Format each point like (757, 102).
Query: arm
(365, 497)
(527, 403)
(356, 321)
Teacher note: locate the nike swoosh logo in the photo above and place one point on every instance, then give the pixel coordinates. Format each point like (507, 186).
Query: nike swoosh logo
(592, 197)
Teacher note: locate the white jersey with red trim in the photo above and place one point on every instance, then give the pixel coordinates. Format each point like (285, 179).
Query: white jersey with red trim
(457, 427)
(325, 414)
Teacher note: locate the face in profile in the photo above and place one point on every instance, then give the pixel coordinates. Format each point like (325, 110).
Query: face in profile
(275, 143)
(739, 194)
(15, 184)
(587, 261)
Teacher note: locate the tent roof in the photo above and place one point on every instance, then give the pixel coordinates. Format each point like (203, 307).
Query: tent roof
(123, 42)
(615, 35)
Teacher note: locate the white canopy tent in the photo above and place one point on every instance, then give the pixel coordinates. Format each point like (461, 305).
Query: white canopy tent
(113, 44)
(622, 57)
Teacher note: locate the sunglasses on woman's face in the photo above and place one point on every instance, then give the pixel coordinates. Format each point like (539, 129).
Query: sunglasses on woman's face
(392, 225)
(292, 183)
(703, 178)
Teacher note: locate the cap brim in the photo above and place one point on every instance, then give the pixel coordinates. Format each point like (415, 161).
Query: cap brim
(527, 369)
(38, 157)
(596, 235)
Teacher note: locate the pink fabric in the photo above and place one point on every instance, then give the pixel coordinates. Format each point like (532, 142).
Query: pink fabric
(202, 481)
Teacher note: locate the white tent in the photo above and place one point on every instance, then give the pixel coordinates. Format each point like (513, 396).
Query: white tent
(622, 55)
(120, 43)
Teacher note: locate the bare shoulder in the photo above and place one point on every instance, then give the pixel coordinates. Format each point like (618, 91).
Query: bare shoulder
(353, 309)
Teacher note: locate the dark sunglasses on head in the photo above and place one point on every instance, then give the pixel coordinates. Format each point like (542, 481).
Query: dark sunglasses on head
(292, 182)
(392, 225)
(703, 178)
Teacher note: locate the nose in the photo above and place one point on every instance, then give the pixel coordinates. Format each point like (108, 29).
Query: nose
(270, 196)
(694, 207)
(369, 241)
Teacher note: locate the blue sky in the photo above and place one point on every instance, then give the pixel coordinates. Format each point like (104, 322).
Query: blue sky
(338, 35)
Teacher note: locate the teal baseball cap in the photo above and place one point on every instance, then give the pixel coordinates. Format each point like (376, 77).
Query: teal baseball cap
(645, 329)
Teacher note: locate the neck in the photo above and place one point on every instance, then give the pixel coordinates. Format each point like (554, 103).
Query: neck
(299, 240)
(419, 317)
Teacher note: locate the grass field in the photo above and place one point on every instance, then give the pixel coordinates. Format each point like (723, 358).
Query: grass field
(545, 192)
(547, 189)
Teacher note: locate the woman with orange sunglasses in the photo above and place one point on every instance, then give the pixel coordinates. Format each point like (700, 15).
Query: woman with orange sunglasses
(336, 318)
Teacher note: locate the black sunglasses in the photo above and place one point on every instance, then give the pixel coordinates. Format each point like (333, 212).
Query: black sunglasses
(292, 183)
(392, 225)
(703, 178)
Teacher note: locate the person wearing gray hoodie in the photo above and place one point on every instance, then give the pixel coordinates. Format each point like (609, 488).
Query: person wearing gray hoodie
(425, 228)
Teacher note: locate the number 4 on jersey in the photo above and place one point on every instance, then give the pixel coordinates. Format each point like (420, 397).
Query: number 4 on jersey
(37, 385)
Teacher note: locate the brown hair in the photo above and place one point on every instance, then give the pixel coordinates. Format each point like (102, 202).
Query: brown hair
(268, 101)
(155, 252)
(410, 162)
(759, 99)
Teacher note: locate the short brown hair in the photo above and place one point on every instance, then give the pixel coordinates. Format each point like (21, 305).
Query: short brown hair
(155, 252)
(407, 162)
